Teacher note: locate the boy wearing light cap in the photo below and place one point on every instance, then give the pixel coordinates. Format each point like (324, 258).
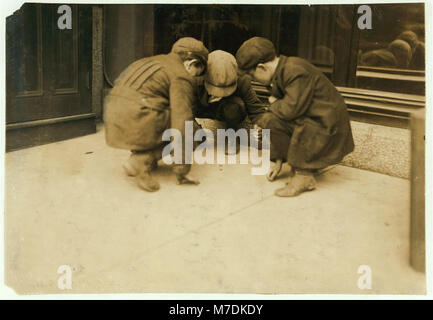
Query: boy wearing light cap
(222, 95)
(308, 116)
(150, 96)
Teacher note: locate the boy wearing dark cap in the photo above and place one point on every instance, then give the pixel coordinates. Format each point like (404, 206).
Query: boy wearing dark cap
(309, 122)
(150, 96)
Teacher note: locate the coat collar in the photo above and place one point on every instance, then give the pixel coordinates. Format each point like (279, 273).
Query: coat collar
(281, 62)
(176, 57)
(273, 87)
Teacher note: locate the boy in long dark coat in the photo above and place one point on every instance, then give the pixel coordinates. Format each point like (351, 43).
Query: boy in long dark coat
(150, 96)
(309, 122)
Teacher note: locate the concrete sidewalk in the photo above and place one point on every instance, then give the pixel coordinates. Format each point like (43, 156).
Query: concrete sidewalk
(69, 203)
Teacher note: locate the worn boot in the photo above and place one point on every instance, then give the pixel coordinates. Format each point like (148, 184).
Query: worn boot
(181, 171)
(231, 151)
(139, 165)
(154, 165)
(134, 164)
(146, 182)
(300, 182)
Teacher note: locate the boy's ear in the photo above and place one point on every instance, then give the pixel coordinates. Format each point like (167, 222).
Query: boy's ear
(193, 61)
(187, 64)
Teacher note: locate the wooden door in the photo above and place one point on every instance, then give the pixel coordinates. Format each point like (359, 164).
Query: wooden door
(48, 73)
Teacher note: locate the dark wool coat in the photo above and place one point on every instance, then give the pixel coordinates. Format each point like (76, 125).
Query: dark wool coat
(149, 96)
(315, 112)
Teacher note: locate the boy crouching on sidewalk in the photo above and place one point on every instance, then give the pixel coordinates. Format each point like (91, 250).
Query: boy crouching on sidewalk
(309, 122)
(150, 96)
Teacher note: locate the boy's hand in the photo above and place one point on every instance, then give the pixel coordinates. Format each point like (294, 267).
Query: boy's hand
(272, 99)
(181, 179)
(273, 173)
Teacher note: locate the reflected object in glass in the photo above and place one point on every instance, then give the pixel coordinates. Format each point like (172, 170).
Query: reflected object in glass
(402, 53)
(378, 58)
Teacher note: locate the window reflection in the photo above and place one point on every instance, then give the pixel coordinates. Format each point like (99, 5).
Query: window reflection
(396, 39)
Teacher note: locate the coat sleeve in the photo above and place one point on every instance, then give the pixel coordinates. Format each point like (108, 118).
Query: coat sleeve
(298, 94)
(248, 95)
(182, 101)
(201, 110)
(247, 92)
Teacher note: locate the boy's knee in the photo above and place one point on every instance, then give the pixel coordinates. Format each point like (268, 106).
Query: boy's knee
(266, 120)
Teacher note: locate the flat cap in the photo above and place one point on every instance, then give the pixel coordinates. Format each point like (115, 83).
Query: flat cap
(191, 47)
(254, 51)
(222, 74)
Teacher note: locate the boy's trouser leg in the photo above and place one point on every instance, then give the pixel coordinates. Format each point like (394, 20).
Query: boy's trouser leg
(280, 132)
(232, 112)
(136, 161)
(196, 126)
(233, 117)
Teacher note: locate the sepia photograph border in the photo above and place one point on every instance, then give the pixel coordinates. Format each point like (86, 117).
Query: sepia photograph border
(8, 7)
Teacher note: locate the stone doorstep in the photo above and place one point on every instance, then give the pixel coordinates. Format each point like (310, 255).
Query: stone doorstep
(377, 148)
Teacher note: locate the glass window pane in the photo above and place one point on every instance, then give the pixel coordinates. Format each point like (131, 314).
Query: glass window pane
(325, 34)
(396, 39)
(391, 55)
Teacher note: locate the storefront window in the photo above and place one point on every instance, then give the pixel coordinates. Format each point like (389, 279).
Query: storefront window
(380, 72)
(325, 39)
(396, 39)
(317, 31)
(388, 57)
(226, 27)
(391, 55)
